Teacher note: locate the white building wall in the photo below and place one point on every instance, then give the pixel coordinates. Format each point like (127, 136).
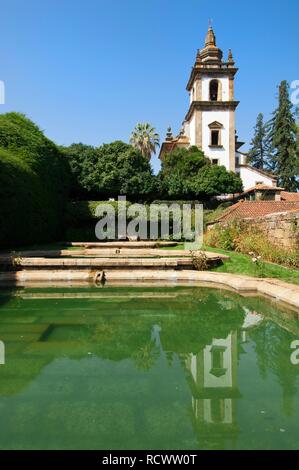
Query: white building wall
(187, 128)
(228, 411)
(251, 177)
(225, 380)
(192, 130)
(206, 87)
(222, 154)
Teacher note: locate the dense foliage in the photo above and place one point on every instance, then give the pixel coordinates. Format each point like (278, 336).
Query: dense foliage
(246, 238)
(259, 153)
(109, 171)
(145, 139)
(283, 139)
(275, 145)
(187, 173)
(34, 180)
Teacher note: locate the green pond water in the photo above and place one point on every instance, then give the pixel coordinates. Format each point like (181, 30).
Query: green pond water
(146, 368)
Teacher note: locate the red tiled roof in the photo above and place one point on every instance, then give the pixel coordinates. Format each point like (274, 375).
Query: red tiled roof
(253, 209)
(263, 187)
(289, 196)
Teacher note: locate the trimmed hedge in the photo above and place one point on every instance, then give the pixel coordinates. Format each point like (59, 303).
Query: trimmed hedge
(34, 180)
(82, 218)
(81, 212)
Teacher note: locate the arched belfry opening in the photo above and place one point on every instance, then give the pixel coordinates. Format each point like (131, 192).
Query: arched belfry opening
(215, 90)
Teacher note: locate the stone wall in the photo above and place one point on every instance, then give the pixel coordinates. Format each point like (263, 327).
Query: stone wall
(281, 229)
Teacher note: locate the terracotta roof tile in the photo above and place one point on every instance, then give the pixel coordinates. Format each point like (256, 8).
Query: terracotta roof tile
(263, 187)
(253, 209)
(286, 196)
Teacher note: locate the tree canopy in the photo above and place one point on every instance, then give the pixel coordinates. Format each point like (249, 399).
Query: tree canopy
(109, 171)
(145, 139)
(187, 173)
(283, 138)
(260, 151)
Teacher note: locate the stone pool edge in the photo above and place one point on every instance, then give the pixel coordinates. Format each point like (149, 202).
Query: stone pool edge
(274, 288)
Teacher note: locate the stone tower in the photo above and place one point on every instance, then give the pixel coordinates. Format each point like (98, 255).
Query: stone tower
(210, 121)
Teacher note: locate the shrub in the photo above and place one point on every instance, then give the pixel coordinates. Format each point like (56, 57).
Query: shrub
(248, 239)
(33, 183)
(200, 260)
(223, 237)
(81, 212)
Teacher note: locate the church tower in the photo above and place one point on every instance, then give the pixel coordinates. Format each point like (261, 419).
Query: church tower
(210, 121)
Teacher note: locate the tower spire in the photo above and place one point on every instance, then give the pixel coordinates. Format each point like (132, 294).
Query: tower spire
(230, 58)
(210, 54)
(210, 37)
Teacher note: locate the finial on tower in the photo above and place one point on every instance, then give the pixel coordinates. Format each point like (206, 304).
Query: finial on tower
(230, 58)
(210, 37)
(169, 135)
(198, 59)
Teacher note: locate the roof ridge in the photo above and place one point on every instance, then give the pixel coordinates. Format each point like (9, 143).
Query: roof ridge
(261, 172)
(229, 210)
(270, 202)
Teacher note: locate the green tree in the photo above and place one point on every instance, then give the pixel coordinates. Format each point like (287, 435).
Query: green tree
(297, 154)
(187, 173)
(297, 148)
(214, 180)
(259, 151)
(109, 171)
(145, 139)
(283, 141)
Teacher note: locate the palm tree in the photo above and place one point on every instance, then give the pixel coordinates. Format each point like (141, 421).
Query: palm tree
(145, 139)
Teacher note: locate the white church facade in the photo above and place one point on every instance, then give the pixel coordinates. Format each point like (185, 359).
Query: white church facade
(210, 121)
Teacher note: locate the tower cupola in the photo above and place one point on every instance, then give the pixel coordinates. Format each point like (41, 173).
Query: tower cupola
(210, 38)
(211, 54)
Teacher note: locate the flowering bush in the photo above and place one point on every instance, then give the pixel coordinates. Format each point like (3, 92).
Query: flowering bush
(223, 236)
(248, 239)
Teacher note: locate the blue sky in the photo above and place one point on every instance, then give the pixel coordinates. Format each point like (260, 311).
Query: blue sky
(90, 70)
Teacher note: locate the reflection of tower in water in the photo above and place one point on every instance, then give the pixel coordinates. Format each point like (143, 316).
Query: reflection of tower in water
(213, 382)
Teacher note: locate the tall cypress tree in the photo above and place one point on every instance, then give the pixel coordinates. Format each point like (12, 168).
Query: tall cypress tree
(297, 150)
(283, 141)
(259, 151)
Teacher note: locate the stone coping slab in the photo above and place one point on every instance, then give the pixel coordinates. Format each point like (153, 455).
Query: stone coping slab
(123, 244)
(100, 263)
(109, 252)
(278, 290)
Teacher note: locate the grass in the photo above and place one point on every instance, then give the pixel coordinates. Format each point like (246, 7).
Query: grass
(242, 264)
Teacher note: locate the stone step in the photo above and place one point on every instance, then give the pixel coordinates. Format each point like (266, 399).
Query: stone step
(111, 252)
(123, 244)
(100, 263)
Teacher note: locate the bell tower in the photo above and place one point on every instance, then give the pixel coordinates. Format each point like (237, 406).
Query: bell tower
(210, 121)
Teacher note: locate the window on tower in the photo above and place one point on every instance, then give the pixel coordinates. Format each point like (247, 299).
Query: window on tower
(215, 134)
(214, 90)
(215, 141)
